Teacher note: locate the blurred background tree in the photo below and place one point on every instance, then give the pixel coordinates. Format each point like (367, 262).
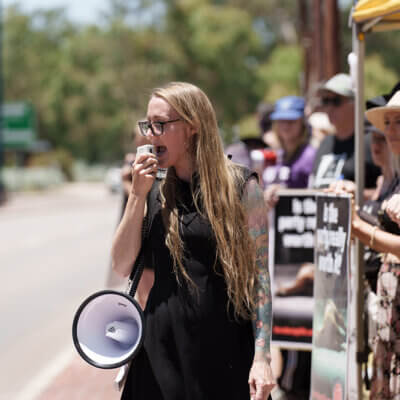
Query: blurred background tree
(89, 84)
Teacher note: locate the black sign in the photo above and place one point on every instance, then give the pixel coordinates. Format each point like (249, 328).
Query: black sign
(329, 356)
(292, 242)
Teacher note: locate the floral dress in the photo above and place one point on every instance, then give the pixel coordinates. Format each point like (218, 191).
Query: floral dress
(386, 376)
(386, 348)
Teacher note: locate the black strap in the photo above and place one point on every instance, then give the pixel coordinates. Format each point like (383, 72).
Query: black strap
(138, 266)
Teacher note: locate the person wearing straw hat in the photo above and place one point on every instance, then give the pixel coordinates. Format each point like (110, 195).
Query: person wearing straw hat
(385, 239)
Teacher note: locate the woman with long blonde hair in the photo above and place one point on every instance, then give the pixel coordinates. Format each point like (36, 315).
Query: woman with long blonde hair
(208, 314)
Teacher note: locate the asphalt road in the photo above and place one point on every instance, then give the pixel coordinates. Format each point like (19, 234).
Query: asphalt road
(54, 252)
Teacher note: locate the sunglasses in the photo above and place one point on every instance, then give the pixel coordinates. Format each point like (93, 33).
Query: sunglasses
(336, 101)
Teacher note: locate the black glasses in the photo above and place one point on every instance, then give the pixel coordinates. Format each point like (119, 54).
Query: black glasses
(336, 101)
(156, 127)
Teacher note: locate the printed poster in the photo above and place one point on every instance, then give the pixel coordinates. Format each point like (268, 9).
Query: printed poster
(329, 353)
(292, 241)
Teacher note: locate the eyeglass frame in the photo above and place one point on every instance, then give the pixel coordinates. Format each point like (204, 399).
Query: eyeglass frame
(150, 126)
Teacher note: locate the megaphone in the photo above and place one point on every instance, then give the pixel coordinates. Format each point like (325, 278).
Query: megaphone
(108, 329)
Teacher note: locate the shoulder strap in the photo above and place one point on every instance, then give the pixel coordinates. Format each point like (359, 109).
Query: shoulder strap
(138, 266)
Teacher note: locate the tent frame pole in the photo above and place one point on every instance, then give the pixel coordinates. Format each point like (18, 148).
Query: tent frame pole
(358, 292)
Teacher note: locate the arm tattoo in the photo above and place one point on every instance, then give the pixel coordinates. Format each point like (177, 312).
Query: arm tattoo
(258, 223)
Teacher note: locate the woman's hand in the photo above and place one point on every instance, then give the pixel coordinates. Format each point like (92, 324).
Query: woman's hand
(347, 187)
(144, 171)
(393, 208)
(261, 379)
(342, 186)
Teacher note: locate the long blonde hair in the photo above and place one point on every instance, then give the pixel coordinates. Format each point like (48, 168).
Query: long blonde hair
(216, 198)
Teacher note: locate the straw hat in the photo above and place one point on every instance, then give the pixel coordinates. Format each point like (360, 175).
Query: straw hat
(375, 115)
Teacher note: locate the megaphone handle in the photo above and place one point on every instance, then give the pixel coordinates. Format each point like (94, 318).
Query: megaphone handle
(138, 266)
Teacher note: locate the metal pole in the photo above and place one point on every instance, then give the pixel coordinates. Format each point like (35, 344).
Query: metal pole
(359, 48)
(2, 189)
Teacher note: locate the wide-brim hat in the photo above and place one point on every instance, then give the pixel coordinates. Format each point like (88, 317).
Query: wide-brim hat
(376, 115)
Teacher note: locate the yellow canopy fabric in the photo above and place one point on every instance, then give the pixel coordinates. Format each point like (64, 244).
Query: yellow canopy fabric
(387, 12)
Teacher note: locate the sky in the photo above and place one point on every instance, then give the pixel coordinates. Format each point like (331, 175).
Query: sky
(82, 11)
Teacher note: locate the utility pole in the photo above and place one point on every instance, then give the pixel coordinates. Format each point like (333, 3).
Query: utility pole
(331, 38)
(305, 42)
(317, 70)
(319, 30)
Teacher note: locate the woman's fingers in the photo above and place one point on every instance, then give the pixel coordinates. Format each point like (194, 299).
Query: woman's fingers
(145, 164)
(253, 389)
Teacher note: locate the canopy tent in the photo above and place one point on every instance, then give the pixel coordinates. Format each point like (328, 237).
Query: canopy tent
(377, 15)
(367, 16)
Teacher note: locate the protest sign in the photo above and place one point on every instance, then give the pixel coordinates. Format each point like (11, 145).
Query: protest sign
(329, 351)
(291, 243)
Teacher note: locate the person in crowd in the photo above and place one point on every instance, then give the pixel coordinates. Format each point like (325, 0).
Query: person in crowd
(320, 127)
(294, 164)
(208, 314)
(385, 239)
(249, 140)
(269, 137)
(385, 186)
(335, 158)
(296, 157)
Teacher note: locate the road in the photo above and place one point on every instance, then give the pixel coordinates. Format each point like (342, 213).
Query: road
(54, 252)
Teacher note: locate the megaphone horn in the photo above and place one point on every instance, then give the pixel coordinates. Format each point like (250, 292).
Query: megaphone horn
(108, 329)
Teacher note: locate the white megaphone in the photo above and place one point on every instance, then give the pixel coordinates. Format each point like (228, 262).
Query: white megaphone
(108, 329)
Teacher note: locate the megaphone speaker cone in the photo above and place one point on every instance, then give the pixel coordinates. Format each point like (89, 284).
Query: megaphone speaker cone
(108, 329)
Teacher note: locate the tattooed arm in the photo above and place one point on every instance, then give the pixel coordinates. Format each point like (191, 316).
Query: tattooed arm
(261, 379)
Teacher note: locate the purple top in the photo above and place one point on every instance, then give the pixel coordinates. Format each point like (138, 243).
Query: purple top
(293, 173)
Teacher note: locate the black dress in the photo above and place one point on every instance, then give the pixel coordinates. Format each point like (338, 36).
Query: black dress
(194, 348)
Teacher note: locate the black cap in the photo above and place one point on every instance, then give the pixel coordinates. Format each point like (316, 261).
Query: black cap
(378, 101)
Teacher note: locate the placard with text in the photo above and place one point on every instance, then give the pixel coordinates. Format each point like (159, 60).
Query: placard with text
(292, 241)
(329, 355)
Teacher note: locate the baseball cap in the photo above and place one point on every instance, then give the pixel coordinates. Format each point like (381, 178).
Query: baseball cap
(288, 108)
(340, 84)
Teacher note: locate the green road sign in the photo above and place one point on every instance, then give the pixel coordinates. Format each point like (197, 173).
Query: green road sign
(19, 130)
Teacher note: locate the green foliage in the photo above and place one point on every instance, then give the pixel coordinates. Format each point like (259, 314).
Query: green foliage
(281, 73)
(219, 51)
(90, 84)
(59, 158)
(248, 127)
(378, 78)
